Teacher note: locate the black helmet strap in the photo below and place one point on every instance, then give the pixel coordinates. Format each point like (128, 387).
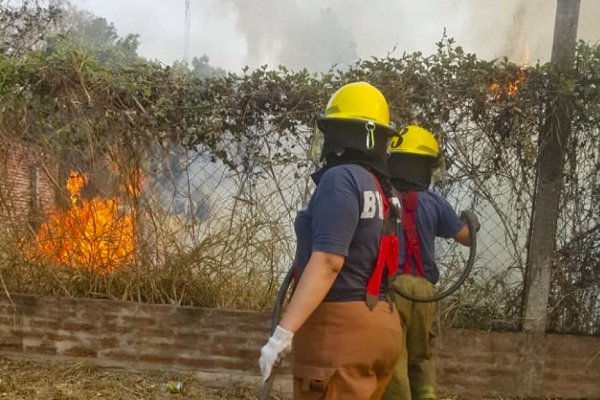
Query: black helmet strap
(366, 137)
(410, 171)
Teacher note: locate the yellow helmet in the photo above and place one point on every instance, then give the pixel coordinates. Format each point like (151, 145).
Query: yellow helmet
(415, 140)
(358, 101)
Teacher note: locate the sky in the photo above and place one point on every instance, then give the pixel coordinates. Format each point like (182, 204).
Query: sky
(318, 34)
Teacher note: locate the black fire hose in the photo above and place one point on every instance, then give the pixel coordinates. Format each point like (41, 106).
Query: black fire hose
(265, 390)
(461, 279)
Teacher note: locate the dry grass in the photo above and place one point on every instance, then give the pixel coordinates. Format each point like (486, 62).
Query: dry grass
(29, 380)
(46, 380)
(235, 264)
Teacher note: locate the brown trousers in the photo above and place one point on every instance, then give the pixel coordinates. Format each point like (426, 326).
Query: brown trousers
(346, 351)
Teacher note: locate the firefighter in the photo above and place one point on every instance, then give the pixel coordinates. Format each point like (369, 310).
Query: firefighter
(345, 341)
(414, 155)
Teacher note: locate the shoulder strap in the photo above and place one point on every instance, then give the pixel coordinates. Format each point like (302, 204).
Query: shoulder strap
(387, 255)
(411, 233)
(386, 202)
(390, 212)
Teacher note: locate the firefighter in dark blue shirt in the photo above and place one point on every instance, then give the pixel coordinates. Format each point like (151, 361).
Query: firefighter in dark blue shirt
(425, 215)
(345, 341)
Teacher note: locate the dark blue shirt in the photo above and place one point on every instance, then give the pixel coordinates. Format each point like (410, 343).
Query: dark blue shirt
(344, 216)
(435, 218)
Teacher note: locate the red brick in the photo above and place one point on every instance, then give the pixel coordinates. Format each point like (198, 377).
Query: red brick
(77, 326)
(473, 363)
(158, 359)
(78, 351)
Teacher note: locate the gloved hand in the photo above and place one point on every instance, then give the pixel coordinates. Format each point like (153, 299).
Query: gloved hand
(472, 217)
(278, 346)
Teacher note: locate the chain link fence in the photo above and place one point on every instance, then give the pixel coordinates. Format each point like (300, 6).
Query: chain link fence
(151, 185)
(198, 215)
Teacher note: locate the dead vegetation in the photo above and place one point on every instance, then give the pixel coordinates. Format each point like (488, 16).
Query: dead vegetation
(43, 380)
(38, 380)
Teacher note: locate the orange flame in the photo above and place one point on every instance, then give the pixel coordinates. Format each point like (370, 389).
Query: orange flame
(510, 89)
(94, 235)
(75, 184)
(133, 185)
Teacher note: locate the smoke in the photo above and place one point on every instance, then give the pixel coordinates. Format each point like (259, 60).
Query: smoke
(294, 35)
(318, 34)
(321, 44)
(517, 42)
(519, 30)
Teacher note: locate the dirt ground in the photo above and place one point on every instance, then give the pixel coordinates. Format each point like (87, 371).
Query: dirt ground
(45, 380)
(41, 380)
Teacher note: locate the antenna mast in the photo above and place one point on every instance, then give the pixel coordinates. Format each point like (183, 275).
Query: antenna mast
(186, 44)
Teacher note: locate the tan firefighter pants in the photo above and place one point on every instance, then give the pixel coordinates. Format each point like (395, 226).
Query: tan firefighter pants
(345, 351)
(414, 375)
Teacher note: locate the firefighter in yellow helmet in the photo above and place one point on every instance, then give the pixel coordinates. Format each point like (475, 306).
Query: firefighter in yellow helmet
(344, 340)
(414, 155)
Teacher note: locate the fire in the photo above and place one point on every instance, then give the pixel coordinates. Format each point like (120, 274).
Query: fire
(510, 89)
(513, 86)
(93, 235)
(75, 183)
(133, 185)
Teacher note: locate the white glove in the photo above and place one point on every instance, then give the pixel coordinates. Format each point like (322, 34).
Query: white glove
(278, 346)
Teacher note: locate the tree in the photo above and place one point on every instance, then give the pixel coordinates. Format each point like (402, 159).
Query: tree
(25, 27)
(85, 31)
(553, 138)
(34, 26)
(201, 67)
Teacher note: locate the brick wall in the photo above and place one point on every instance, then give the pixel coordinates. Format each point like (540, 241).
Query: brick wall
(480, 363)
(226, 343)
(25, 189)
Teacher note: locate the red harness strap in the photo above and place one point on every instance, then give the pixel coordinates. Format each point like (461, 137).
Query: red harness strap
(411, 234)
(387, 256)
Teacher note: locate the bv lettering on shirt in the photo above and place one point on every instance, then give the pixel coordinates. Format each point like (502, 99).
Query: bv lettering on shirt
(372, 205)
